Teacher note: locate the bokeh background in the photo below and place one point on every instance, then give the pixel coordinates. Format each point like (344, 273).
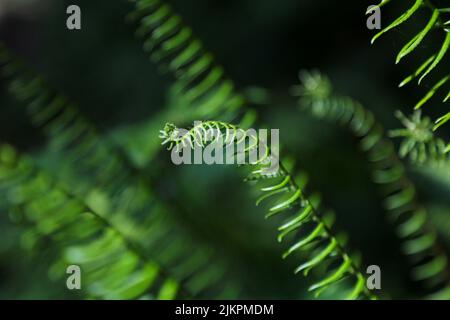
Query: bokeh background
(262, 44)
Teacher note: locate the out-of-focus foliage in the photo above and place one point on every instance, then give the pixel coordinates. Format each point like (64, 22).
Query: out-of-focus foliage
(113, 267)
(114, 191)
(410, 218)
(194, 230)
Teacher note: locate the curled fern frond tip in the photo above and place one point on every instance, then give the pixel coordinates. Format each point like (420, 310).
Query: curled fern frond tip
(313, 85)
(169, 133)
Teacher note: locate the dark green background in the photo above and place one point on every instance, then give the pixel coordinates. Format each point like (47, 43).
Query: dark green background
(261, 43)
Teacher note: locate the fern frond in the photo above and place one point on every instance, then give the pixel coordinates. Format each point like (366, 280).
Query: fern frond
(113, 267)
(200, 82)
(174, 47)
(429, 262)
(308, 231)
(111, 178)
(419, 141)
(437, 21)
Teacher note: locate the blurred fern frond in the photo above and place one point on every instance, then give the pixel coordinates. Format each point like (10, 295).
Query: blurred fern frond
(309, 232)
(420, 243)
(102, 176)
(113, 267)
(172, 45)
(200, 82)
(438, 20)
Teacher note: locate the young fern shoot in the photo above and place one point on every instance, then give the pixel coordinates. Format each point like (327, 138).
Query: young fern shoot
(306, 230)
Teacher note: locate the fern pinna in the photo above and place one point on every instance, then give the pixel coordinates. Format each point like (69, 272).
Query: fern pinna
(308, 231)
(109, 177)
(429, 262)
(438, 20)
